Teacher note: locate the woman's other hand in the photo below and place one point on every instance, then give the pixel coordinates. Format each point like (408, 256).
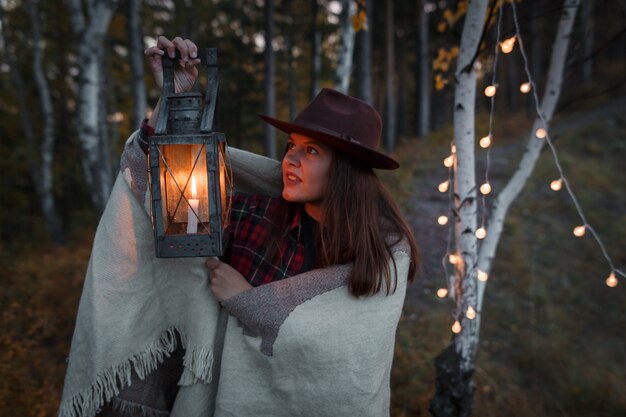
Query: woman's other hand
(185, 73)
(226, 281)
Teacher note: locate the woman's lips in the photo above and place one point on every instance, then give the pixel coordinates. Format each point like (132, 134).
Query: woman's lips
(290, 177)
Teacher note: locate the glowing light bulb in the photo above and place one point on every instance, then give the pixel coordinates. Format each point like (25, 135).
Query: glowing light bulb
(485, 188)
(481, 232)
(442, 220)
(456, 327)
(453, 148)
(541, 133)
(611, 281)
(442, 292)
(454, 259)
(507, 45)
(449, 161)
(490, 91)
(556, 185)
(482, 275)
(579, 231)
(485, 142)
(443, 187)
(525, 88)
(470, 313)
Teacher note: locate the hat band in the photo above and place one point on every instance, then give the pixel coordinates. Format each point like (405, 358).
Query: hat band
(326, 131)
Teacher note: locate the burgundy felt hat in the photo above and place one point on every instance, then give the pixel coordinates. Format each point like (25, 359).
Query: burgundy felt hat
(341, 121)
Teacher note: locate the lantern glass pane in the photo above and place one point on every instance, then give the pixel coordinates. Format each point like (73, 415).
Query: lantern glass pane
(226, 184)
(184, 189)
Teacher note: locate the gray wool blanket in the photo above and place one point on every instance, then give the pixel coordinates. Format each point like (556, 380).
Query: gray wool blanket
(302, 346)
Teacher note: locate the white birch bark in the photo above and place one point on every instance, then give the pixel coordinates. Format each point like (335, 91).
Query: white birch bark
(465, 186)
(40, 157)
(533, 150)
(346, 49)
(44, 183)
(90, 36)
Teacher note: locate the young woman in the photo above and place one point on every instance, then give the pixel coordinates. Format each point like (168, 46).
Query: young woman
(314, 281)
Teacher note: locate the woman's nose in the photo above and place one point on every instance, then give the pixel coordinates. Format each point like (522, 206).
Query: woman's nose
(292, 158)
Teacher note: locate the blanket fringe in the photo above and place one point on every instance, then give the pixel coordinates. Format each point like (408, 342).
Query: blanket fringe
(197, 362)
(198, 365)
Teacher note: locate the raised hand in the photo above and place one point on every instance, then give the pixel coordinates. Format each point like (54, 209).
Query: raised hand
(226, 281)
(185, 73)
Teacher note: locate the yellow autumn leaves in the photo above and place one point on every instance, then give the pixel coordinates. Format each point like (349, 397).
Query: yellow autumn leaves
(359, 20)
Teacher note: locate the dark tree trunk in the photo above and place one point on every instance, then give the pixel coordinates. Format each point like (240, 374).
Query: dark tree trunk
(316, 50)
(587, 29)
(454, 388)
(363, 59)
(403, 88)
(292, 86)
(423, 73)
(390, 95)
(269, 105)
(135, 55)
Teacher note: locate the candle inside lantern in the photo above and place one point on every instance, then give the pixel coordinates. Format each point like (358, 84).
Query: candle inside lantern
(192, 219)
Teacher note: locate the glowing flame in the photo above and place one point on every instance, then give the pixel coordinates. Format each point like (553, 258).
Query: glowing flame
(194, 189)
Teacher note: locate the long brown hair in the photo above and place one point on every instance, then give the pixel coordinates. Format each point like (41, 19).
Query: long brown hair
(360, 223)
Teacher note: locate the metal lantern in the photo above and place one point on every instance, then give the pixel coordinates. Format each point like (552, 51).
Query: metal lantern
(189, 169)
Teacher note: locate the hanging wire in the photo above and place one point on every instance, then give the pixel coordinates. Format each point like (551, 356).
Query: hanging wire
(492, 107)
(553, 149)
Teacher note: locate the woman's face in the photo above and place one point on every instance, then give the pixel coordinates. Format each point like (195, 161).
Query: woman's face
(306, 167)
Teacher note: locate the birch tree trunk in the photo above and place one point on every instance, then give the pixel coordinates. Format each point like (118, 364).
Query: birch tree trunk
(269, 103)
(40, 168)
(44, 183)
(90, 45)
(455, 366)
(390, 94)
(454, 393)
(423, 69)
(135, 55)
(363, 58)
(346, 49)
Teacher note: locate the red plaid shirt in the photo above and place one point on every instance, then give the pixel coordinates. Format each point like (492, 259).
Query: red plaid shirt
(249, 231)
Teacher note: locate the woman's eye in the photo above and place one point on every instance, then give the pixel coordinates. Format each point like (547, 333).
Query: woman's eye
(290, 146)
(312, 150)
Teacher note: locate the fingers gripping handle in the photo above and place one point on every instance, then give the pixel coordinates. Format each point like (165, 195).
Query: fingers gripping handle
(208, 58)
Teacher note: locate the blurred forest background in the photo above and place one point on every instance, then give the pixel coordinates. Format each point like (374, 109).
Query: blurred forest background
(552, 340)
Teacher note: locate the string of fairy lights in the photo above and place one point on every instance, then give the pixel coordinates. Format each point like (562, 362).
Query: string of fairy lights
(450, 258)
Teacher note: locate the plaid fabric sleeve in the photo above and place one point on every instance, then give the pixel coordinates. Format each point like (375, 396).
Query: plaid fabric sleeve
(249, 232)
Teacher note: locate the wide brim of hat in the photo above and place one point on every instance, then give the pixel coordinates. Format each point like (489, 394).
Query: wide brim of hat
(361, 153)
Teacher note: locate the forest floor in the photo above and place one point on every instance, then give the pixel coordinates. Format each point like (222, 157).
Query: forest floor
(551, 340)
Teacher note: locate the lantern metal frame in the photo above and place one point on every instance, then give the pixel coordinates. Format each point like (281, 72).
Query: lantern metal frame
(209, 242)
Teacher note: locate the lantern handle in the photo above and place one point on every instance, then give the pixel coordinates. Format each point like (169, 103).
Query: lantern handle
(208, 122)
(208, 58)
